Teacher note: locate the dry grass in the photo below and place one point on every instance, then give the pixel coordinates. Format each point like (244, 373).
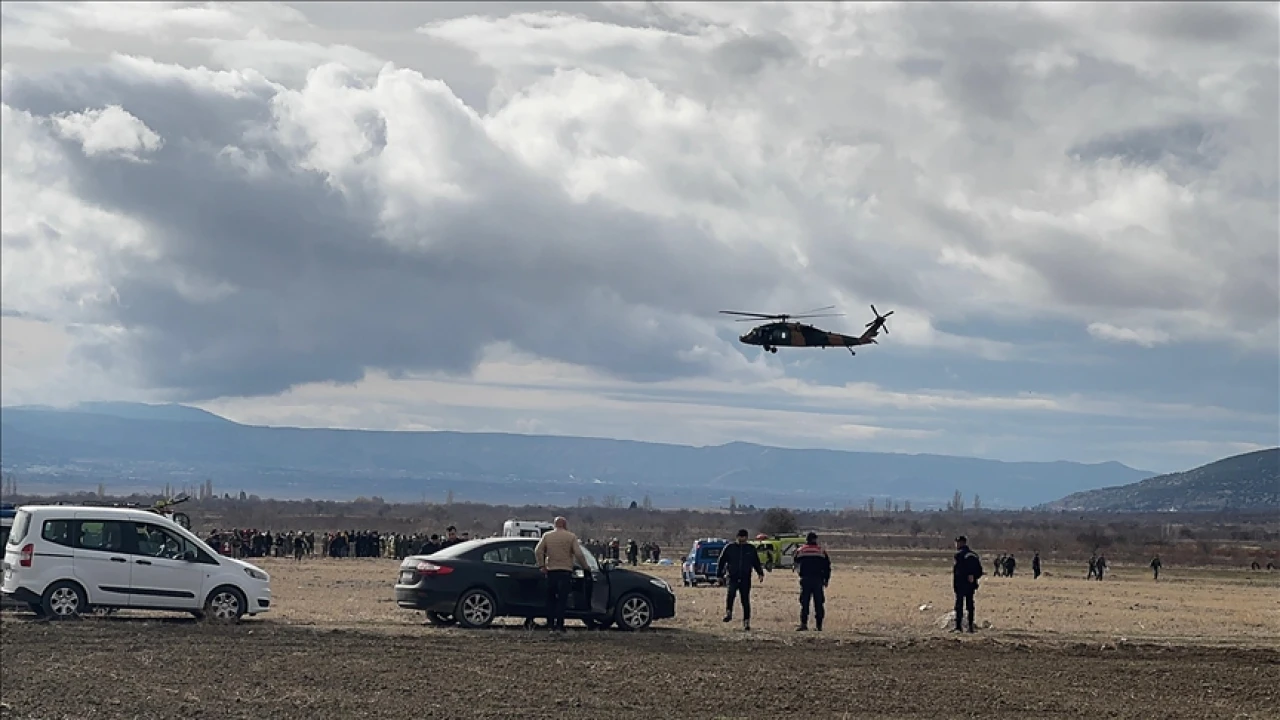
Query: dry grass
(877, 596)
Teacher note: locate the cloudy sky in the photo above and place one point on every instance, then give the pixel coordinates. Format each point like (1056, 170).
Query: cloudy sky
(525, 217)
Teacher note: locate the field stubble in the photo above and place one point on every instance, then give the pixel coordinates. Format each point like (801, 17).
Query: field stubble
(1198, 643)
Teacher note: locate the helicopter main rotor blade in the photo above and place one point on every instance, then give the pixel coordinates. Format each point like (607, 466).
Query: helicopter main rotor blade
(762, 316)
(815, 310)
(820, 315)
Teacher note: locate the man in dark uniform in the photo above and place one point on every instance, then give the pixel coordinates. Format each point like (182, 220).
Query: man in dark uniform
(451, 537)
(738, 560)
(1035, 565)
(1155, 567)
(813, 565)
(964, 580)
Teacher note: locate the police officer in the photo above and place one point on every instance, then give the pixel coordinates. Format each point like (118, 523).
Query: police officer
(813, 565)
(964, 580)
(738, 560)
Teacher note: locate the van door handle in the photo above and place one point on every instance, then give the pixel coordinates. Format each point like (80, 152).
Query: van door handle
(118, 559)
(501, 575)
(143, 562)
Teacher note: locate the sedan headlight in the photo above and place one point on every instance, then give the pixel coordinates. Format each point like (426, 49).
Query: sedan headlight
(662, 584)
(256, 574)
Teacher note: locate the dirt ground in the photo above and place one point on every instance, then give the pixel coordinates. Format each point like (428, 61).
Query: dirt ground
(1197, 644)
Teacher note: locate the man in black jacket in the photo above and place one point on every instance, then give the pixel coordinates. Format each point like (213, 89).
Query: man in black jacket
(737, 561)
(814, 568)
(964, 580)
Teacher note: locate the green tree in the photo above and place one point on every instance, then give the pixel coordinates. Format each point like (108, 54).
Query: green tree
(779, 521)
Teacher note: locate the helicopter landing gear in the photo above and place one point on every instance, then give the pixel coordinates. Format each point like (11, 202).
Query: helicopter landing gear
(851, 352)
(770, 348)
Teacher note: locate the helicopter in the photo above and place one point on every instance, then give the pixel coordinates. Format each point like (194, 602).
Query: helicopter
(781, 333)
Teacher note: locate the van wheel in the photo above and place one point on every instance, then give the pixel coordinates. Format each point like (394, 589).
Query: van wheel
(64, 599)
(634, 612)
(476, 609)
(225, 605)
(438, 618)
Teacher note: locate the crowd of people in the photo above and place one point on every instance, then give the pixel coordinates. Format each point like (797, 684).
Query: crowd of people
(255, 543)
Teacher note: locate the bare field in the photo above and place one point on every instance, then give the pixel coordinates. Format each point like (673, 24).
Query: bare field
(1196, 644)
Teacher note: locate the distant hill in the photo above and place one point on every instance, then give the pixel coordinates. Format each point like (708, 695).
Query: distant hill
(127, 446)
(135, 411)
(1249, 481)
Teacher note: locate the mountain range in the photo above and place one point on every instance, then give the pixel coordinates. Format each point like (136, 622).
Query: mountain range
(1242, 482)
(136, 447)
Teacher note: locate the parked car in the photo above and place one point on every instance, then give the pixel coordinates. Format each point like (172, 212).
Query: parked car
(778, 551)
(7, 512)
(65, 560)
(701, 563)
(475, 582)
(526, 528)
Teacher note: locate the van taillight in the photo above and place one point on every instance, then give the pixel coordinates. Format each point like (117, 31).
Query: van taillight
(28, 551)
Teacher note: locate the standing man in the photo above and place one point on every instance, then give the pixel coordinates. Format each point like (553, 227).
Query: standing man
(1035, 565)
(813, 565)
(451, 537)
(738, 560)
(556, 552)
(1155, 567)
(964, 580)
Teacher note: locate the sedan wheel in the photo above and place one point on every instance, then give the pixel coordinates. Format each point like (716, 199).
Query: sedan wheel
(476, 609)
(634, 612)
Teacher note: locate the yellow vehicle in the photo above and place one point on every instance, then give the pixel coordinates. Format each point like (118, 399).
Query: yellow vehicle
(777, 551)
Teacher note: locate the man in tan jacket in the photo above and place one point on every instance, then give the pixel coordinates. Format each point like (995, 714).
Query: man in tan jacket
(556, 552)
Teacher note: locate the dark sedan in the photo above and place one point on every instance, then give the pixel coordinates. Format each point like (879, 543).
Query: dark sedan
(474, 582)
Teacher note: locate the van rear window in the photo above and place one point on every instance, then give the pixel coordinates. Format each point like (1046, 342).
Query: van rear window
(709, 553)
(20, 523)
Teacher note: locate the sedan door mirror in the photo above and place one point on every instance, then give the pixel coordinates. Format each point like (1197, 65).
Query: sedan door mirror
(189, 556)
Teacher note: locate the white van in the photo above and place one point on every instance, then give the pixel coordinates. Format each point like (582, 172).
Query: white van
(526, 528)
(66, 560)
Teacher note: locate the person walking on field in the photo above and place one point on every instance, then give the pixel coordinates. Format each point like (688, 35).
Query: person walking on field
(1155, 567)
(964, 580)
(813, 565)
(555, 553)
(737, 561)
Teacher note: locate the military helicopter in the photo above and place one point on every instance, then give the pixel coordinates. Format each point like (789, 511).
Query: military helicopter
(781, 333)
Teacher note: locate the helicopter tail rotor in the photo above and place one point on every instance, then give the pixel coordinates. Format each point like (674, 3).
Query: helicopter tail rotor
(880, 322)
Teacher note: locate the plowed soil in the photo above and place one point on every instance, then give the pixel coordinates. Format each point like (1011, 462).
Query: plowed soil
(128, 668)
(337, 647)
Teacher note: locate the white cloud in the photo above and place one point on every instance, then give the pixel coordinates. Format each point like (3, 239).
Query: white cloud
(1146, 337)
(109, 131)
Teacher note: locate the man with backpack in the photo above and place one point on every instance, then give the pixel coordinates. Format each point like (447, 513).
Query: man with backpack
(964, 580)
